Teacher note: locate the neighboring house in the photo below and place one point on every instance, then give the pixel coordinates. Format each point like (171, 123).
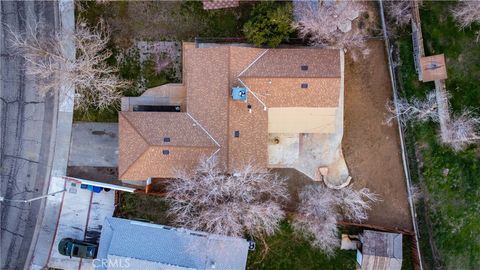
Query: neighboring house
(380, 251)
(220, 4)
(241, 104)
(138, 245)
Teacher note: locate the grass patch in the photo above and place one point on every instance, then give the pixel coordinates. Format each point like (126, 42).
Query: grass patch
(144, 207)
(289, 251)
(449, 179)
(286, 249)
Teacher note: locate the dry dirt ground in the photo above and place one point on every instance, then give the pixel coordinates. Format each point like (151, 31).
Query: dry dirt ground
(372, 149)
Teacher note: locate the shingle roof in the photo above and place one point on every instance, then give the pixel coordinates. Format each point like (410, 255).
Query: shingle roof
(219, 4)
(169, 248)
(287, 63)
(288, 92)
(142, 143)
(275, 76)
(208, 92)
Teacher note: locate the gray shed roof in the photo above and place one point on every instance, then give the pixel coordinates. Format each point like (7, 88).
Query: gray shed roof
(382, 244)
(162, 247)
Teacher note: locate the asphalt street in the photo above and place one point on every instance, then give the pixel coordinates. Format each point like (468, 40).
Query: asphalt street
(25, 126)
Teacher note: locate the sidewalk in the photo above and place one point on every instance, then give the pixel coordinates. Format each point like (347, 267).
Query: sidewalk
(61, 135)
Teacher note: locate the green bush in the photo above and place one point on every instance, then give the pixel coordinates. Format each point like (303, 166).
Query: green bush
(270, 23)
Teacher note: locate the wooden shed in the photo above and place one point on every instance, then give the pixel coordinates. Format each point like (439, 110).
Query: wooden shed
(433, 68)
(380, 251)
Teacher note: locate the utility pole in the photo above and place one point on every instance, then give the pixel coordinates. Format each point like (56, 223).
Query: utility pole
(2, 199)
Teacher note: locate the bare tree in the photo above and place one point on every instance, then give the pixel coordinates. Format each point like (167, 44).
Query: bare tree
(49, 61)
(462, 131)
(399, 11)
(230, 204)
(467, 13)
(414, 110)
(321, 207)
(332, 23)
(354, 204)
(317, 217)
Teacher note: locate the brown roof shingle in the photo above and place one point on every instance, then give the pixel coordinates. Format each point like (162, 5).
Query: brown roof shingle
(140, 132)
(287, 63)
(212, 117)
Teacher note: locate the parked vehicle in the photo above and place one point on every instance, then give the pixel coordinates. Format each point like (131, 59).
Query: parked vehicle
(77, 248)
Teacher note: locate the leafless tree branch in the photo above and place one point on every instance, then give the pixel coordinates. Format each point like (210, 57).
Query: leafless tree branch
(466, 13)
(399, 11)
(415, 110)
(321, 207)
(48, 60)
(332, 23)
(230, 204)
(463, 130)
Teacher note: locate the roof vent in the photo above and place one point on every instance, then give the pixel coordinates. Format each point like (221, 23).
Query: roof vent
(166, 139)
(165, 152)
(304, 85)
(236, 134)
(239, 93)
(304, 67)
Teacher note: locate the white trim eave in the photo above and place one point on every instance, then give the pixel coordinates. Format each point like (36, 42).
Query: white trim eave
(99, 184)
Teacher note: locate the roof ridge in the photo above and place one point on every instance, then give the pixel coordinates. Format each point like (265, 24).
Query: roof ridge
(254, 61)
(198, 123)
(136, 160)
(143, 138)
(135, 128)
(181, 146)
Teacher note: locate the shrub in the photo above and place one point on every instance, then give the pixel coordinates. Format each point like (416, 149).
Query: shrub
(270, 24)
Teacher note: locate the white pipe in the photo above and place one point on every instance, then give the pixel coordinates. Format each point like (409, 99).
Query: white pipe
(254, 61)
(254, 95)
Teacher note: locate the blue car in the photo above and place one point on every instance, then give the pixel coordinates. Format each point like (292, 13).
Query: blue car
(77, 248)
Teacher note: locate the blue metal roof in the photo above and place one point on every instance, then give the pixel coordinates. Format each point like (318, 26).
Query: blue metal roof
(170, 246)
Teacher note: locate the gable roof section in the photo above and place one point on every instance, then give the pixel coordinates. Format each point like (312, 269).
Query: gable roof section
(286, 63)
(208, 92)
(251, 145)
(142, 143)
(131, 145)
(288, 92)
(154, 163)
(169, 248)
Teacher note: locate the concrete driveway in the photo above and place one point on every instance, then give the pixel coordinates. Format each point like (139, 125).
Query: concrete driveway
(81, 217)
(94, 145)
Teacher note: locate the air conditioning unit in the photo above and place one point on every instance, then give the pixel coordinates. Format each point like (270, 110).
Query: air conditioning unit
(239, 93)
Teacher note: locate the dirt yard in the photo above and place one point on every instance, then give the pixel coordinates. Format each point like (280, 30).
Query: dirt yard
(372, 149)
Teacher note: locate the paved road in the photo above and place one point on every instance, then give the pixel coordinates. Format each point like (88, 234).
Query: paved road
(25, 126)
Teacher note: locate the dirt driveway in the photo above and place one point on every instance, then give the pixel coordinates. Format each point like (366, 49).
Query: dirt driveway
(372, 149)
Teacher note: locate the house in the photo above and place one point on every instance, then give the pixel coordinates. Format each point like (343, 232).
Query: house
(239, 103)
(220, 4)
(140, 245)
(380, 251)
